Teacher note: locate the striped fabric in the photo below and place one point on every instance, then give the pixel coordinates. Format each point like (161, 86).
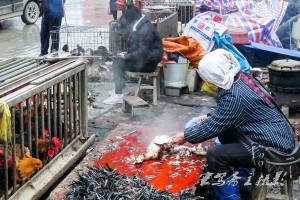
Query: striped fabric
(240, 108)
(260, 19)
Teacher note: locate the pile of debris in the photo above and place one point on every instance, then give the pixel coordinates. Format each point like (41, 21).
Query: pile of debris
(105, 183)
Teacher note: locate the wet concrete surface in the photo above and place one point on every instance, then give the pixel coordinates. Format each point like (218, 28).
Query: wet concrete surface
(18, 39)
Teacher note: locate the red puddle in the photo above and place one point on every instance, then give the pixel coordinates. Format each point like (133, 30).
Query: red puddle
(161, 174)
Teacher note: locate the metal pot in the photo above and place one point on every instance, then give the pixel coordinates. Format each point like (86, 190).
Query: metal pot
(284, 76)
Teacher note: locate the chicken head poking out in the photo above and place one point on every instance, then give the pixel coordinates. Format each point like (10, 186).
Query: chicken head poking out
(27, 166)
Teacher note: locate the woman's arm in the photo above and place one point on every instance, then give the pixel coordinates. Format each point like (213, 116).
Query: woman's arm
(228, 114)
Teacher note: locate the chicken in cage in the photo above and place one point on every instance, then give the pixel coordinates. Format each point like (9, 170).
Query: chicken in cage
(89, 41)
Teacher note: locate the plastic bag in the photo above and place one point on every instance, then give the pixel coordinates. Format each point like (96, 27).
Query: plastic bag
(173, 56)
(5, 122)
(225, 42)
(202, 28)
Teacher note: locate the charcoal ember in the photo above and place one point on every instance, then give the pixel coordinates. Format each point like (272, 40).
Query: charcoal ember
(105, 184)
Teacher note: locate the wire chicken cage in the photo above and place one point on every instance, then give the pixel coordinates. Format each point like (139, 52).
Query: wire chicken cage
(89, 41)
(48, 117)
(184, 8)
(104, 41)
(166, 2)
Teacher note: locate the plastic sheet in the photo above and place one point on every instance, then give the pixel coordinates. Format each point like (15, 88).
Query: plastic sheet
(224, 41)
(260, 19)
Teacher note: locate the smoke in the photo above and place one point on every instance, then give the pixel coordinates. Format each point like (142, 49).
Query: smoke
(169, 119)
(168, 122)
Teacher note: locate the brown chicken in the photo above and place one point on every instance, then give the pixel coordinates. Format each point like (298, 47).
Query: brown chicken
(27, 166)
(18, 151)
(43, 145)
(47, 147)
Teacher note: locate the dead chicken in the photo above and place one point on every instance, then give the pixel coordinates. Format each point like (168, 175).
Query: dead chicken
(188, 151)
(155, 148)
(161, 146)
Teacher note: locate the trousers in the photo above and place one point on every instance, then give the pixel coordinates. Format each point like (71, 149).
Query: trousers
(220, 158)
(49, 23)
(115, 14)
(113, 8)
(120, 66)
(228, 157)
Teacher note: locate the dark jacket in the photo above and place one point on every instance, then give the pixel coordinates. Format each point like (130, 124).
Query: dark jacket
(112, 5)
(53, 8)
(144, 46)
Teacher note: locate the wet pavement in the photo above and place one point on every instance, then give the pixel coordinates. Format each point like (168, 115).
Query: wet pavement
(18, 39)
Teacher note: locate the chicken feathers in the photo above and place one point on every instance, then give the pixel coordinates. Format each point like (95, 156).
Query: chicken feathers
(27, 166)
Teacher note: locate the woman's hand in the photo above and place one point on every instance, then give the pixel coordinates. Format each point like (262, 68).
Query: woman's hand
(178, 139)
(195, 121)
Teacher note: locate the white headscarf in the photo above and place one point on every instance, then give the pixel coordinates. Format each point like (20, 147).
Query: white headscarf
(219, 67)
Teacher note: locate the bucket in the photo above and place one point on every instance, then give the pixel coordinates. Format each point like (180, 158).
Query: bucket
(175, 74)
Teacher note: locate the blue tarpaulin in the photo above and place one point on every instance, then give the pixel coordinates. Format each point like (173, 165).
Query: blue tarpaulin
(260, 55)
(287, 52)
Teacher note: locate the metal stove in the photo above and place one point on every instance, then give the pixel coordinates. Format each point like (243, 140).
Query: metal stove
(284, 82)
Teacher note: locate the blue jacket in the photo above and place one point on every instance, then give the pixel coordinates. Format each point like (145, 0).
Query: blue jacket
(53, 8)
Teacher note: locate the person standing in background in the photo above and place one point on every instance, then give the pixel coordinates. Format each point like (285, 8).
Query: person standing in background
(113, 9)
(53, 12)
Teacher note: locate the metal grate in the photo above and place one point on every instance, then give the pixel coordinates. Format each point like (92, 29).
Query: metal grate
(173, 3)
(49, 103)
(184, 8)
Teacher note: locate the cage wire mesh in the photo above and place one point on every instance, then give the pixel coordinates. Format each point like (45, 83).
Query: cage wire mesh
(89, 41)
(103, 41)
(171, 3)
(46, 117)
(184, 8)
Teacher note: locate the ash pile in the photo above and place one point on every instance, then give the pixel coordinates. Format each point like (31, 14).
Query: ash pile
(105, 183)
